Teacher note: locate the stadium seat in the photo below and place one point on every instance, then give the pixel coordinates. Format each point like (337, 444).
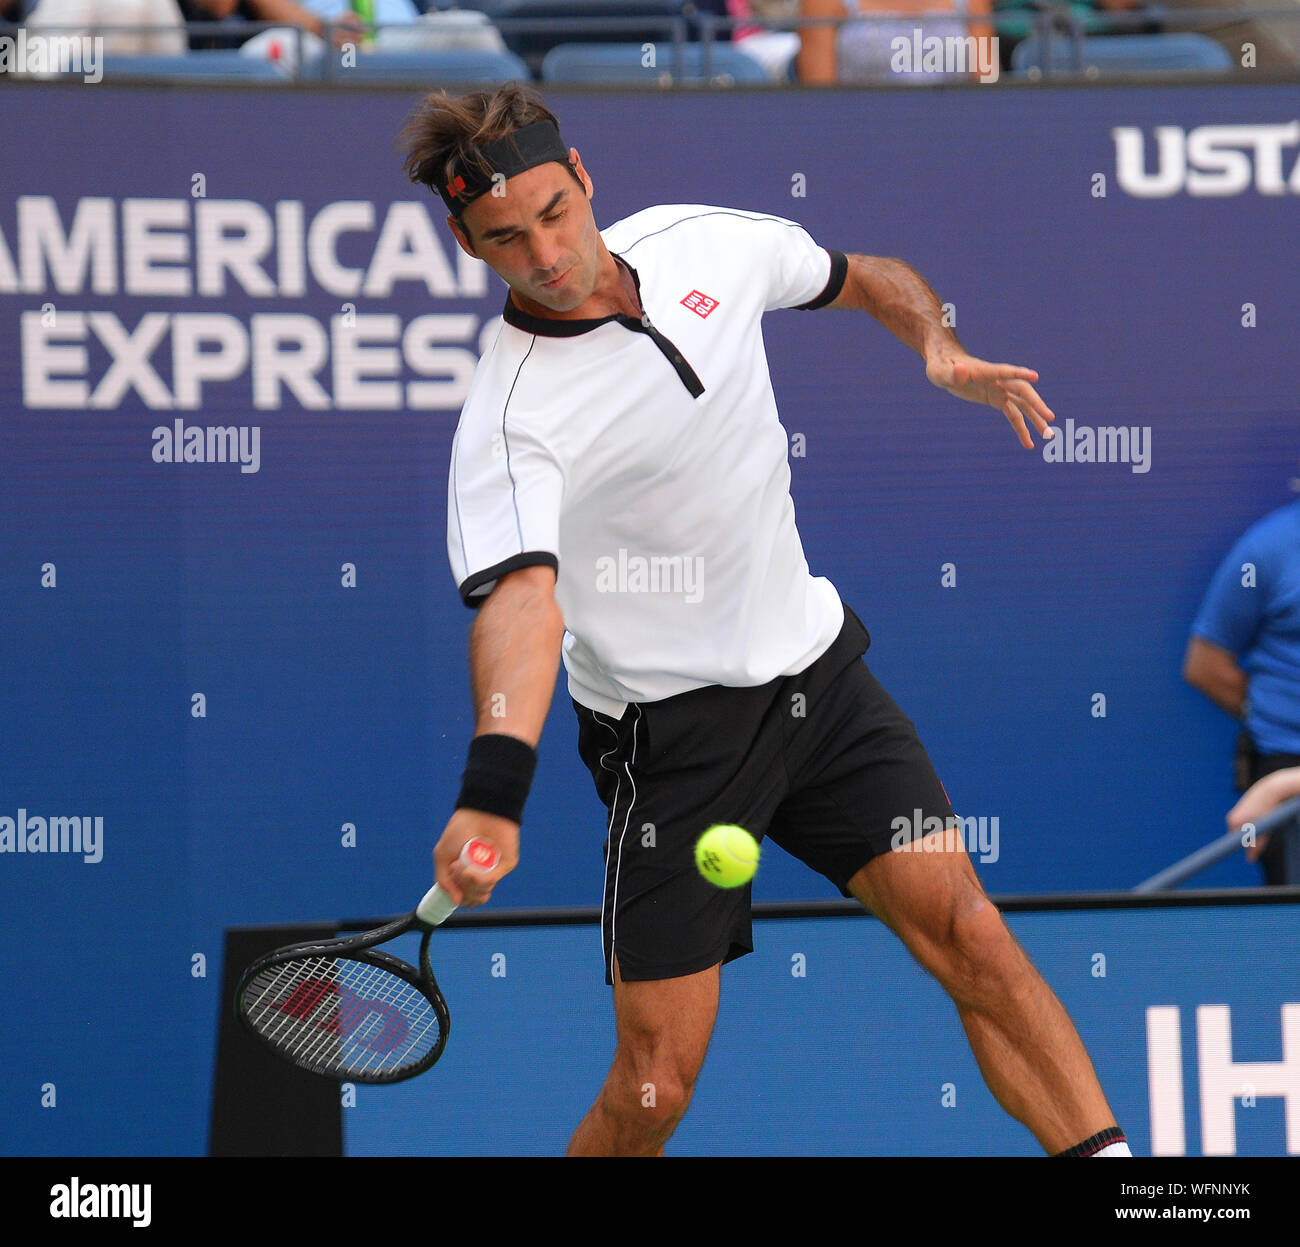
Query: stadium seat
(583, 21)
(620, 64)
(1120, 54)
(216, 65)
(427, 69)
(1018, 19)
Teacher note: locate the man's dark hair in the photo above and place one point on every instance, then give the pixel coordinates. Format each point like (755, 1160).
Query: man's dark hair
(446, 132)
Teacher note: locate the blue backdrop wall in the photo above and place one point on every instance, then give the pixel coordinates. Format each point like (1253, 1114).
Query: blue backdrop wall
(254, 673)
(813, 1056)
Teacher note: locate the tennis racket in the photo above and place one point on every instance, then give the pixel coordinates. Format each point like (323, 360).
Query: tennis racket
(344, 1008)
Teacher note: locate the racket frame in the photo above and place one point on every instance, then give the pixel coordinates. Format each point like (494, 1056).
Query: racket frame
(361, 947)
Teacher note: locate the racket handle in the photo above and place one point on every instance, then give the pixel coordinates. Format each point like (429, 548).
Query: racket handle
(437, 905)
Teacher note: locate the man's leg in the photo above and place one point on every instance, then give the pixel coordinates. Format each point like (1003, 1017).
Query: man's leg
(1027, 1048)
(663, 1033)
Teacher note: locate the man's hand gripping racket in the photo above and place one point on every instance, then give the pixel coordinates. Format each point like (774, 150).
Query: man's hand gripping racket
(345, 1009)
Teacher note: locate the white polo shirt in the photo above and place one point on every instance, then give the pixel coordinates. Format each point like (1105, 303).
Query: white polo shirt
(648, 466)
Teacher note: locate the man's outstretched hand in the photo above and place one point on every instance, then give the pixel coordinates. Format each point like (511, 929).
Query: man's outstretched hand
(1003, 386)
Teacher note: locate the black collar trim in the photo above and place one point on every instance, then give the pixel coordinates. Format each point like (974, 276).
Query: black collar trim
(548, 328)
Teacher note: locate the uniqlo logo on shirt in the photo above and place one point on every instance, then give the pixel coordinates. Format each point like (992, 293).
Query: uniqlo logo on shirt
(699, 303)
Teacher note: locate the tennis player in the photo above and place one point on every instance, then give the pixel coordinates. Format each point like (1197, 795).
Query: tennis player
(619, 494)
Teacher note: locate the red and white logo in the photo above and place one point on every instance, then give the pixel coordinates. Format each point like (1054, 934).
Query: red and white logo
(699, 303)
(482, 854)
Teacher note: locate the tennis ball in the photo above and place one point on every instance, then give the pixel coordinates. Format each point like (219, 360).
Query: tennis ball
(727, 856)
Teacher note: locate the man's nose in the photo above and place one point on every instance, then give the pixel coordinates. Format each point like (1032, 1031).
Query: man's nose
(545, 254)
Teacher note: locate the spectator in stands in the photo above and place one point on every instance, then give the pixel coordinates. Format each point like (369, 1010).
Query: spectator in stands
(774, 50)
(401, 27)
(1244, 652)
(380, 12)
(286, 12)
(1262, 796)
(862, 51)
(150, 26)
(1022, 18)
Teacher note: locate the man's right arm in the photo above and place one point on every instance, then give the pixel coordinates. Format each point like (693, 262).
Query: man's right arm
(514, 661)
(1214, 671)
(514, 654)
(1227, 624)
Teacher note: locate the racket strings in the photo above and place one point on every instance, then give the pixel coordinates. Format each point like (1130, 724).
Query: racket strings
(341, 1016)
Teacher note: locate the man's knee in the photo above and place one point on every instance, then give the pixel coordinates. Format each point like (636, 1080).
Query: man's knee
(649, 1090)
(973, 954)
(663, 1035)
(660, 1094)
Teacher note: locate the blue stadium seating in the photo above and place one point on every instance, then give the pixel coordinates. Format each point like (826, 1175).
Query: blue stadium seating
(426, 69)
(1121, 54)
(583, 20)
(619, 64)
(216, 65)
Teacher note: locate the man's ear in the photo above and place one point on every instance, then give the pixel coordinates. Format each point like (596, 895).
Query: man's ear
(461, 237)
(575, 163)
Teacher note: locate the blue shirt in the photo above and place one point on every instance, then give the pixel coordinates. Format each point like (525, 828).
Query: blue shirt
(1261, 625)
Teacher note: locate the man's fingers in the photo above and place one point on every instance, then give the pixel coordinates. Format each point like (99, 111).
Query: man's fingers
(469, 887)
(1005, 387)
(445, 880)
(474, 883)
(462, 882)
(1028, 397)
(982, 370)
(1013, 413)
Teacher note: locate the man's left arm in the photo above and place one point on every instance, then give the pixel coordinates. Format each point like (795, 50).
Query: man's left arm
(902, 300)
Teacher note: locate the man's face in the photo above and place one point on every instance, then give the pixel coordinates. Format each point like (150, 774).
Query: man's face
(539, 236)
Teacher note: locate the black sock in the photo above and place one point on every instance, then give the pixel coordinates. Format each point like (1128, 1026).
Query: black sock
(1094, 1143)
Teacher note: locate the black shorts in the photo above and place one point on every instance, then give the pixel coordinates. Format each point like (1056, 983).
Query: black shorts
(821, 763)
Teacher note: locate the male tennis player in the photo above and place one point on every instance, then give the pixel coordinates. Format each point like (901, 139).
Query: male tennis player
(619, 492)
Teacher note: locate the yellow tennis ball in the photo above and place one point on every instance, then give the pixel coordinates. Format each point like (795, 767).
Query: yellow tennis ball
(727, 856)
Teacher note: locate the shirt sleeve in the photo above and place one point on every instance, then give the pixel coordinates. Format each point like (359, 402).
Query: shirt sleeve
(1231, 613)
(503, 508)
(799, 273)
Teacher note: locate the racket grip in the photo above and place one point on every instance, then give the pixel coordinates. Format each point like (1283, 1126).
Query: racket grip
(437, 905)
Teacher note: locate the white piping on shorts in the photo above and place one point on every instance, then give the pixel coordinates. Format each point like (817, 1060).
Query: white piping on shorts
(609, 831)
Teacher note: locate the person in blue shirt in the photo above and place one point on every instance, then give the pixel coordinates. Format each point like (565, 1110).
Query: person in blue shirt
(1244, 653)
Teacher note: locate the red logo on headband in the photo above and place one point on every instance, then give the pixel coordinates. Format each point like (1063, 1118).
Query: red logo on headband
(699, 303)
(455, 186)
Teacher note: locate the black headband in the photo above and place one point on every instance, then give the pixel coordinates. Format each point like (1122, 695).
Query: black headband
(534, 144)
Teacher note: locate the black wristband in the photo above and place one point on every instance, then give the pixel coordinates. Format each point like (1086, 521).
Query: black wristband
(497, 776)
